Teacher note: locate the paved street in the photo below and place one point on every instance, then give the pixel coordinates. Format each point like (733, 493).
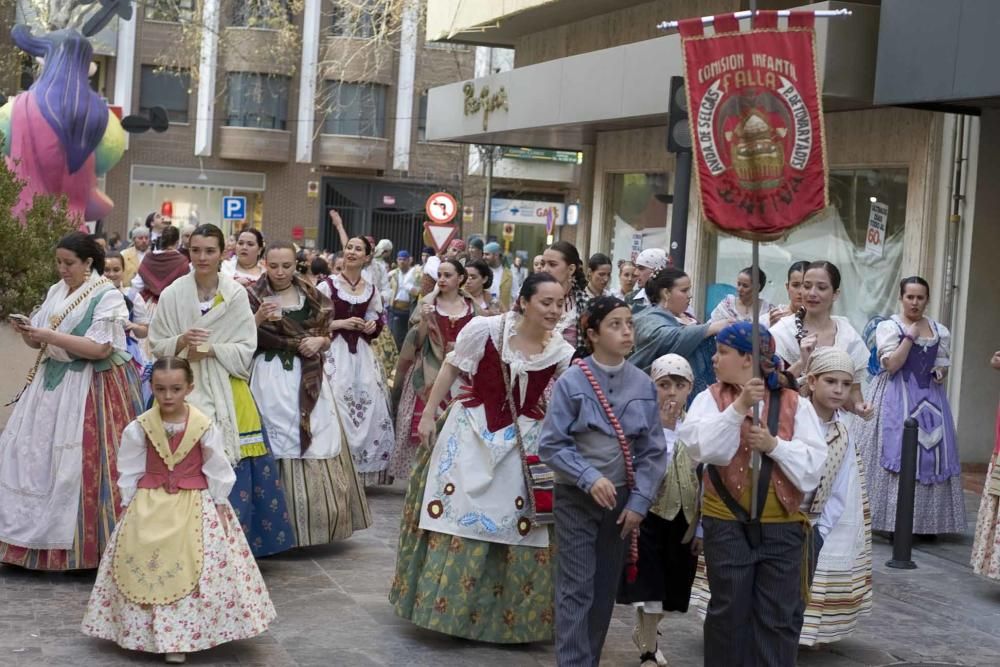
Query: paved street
(332, 610)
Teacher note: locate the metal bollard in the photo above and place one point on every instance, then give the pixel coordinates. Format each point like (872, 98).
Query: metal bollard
(902, 541)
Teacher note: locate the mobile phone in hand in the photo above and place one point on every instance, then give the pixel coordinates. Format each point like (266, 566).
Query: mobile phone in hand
(19, 319)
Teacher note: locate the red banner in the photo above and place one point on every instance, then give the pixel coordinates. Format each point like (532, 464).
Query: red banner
(756, 123)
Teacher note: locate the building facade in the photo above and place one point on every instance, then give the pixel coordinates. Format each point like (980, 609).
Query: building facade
(594, 77)
(334, 117)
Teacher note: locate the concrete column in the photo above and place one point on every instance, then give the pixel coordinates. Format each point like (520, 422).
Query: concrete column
(204, 128)
(404, 87)
(311, 19)
(125, 67)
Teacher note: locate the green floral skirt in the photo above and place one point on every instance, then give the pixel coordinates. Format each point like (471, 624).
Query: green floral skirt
(468, 588)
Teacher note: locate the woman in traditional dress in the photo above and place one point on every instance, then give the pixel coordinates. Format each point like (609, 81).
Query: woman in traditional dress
(325, 498)
(816, 326)
(915, 354)
(986, 547)
(479, 278)
(472, 561)
(376, 273)
(58, 452)
(437, 320)
(359, 387)
(793, 287)
(562, 261)
(667, 327)
(739, 306)
(178, 575)
(137, 327)
(206, 318)
(246, 267)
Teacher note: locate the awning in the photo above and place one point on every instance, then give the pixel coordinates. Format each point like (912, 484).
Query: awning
(939, 53)
(563, 103)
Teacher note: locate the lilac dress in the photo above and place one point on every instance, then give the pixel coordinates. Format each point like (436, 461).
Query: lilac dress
(912, 392)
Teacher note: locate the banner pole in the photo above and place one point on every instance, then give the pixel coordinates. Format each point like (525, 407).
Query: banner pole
(709, 20)
(755, 339)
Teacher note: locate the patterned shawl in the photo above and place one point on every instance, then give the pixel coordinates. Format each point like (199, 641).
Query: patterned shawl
(285, 335)
(159, 270)
(431, 349)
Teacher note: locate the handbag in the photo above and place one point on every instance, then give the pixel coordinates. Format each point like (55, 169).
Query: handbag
(538, 477)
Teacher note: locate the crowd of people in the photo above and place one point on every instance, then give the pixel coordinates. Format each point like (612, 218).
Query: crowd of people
(199, 402)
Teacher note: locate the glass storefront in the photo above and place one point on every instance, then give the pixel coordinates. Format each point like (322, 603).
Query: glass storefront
(189, 203)
(636, 219)
(869, 282)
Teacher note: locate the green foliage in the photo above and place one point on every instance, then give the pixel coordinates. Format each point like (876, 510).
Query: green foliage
(27, 248)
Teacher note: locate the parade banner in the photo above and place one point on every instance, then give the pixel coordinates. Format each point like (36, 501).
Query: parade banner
(756, 123)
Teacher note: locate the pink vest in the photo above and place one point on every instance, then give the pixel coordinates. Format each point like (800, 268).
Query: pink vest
(186, 475)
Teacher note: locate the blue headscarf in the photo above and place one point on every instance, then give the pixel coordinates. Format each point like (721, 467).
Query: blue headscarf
(738, 336)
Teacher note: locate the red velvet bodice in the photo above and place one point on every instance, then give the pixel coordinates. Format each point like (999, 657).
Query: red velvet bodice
(343, 310)
(488, 390)
(450, 328)
(186, 475)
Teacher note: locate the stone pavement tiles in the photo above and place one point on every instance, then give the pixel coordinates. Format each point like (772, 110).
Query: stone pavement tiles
(333, 610)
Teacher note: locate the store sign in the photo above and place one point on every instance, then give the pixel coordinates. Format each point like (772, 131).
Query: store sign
(757, 123)
(527, 212)
(483, 101)
(878, 220)
(545, 155)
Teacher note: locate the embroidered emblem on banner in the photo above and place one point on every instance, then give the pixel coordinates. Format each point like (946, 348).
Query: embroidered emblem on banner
(757, 123)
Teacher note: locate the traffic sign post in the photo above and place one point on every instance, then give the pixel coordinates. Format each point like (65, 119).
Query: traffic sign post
(508, 236)
(440, 235)
(234, 208)
(441, 208)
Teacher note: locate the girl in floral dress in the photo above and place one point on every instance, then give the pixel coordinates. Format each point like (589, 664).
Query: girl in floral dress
(437, 320)
(472, 562)
(178, 575)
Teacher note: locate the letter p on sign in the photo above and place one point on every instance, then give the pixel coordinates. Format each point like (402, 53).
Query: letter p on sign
(234, 208)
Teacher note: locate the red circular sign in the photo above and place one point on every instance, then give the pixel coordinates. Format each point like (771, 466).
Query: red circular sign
(441, 208)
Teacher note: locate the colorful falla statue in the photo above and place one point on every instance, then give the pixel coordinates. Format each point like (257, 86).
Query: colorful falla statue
(59, 135)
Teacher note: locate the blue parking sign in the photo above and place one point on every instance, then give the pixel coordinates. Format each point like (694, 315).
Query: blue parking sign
(234, 208)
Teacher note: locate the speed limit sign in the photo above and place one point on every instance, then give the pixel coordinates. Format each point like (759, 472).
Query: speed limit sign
(441, 208)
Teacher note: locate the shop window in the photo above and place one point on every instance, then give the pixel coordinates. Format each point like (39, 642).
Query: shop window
(422, 117)
(261, 14)
(357, 19)
(171, 11)
(257, 100)
(355, 109)
(635, 217)
(869, 281)
(164, 89)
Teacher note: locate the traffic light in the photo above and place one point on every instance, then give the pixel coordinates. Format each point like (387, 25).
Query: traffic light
(678, 129)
